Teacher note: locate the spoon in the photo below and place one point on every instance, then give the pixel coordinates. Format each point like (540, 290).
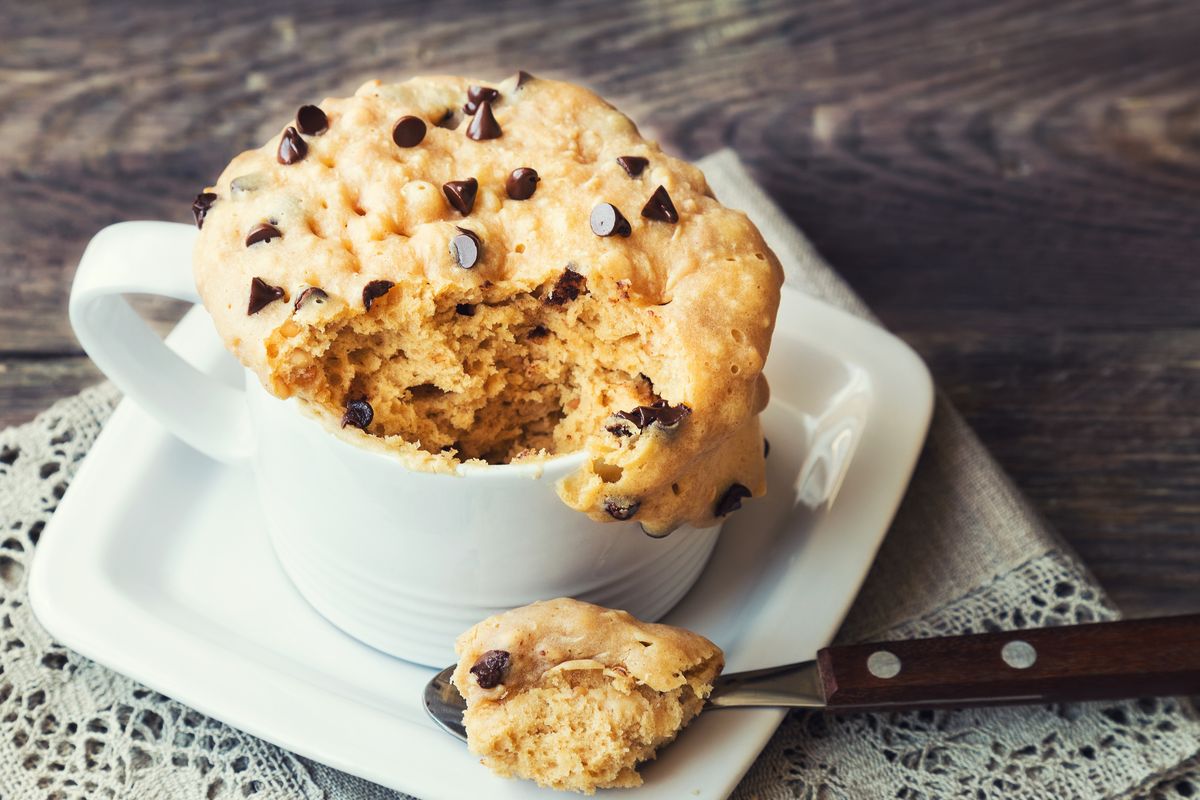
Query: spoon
(1100, 661)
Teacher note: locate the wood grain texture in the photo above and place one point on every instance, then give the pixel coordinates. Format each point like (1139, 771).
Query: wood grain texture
(1011, 185)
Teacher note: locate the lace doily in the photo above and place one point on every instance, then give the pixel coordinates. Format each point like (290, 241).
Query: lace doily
(72, 729)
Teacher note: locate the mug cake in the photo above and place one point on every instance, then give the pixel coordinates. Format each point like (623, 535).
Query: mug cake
(455, 271)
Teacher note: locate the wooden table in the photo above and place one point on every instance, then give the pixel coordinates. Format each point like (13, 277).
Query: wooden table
(1013, 189)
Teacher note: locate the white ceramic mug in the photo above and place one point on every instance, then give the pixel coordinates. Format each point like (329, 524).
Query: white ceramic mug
(401, 559)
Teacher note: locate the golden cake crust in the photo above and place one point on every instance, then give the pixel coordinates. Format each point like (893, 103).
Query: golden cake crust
(690, 304)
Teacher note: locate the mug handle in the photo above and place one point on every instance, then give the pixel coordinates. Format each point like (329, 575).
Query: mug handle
(153, 258)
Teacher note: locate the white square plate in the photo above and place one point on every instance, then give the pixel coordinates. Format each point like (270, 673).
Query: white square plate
(157, 565)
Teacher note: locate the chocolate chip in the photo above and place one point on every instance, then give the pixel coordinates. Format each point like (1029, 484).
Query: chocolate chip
(491, 667)
(731, 500)
(621, 509)
(408, 131)
(538, 332)
(311, 121)
(522, 183)
(466, 248)
(568, 287)
(312, 294)
(262, 232)
(659, 207)
(606, 220)
(204, 201)
(291, 147)
(483, 124)
(448, 120)
(620, 427)
(358, 413)
(461, 194)
(633, 165)
(262, 294)
(766, 447)
(662, 414)
(523, 78)
(466, 309)
(477, 95)
(375, 290)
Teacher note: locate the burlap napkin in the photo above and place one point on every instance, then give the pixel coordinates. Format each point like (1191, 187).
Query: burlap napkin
(966, 553)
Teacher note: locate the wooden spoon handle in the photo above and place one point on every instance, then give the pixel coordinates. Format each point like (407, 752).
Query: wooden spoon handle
(1136, 658)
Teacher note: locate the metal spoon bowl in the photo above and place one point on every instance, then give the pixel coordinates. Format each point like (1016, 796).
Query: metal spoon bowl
(444, 704)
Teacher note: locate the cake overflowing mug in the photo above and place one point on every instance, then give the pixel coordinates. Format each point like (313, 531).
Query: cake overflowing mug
(476, 376)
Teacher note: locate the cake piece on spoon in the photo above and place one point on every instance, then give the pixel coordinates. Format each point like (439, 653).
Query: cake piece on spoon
(575, 696)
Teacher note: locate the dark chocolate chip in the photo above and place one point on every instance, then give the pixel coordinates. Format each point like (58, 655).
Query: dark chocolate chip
(538, 332)
(466, 309)
(633, 165)
(408, 131)
(483, 124)
(477, 95)
(375, 290)
(731, 500)
(311, 294)
(661, 414)
(262, 232)
(659, 207)
(621, 509)
(311, 121)
(203, 203)
(568, 287)
(358, 413)
(461, 194)
(522, 183)
(262, 294)
(766, 447)
(606, 220)
(523, 78)
(491, 667)
(620, 427)
(291, 147)
(466, 248)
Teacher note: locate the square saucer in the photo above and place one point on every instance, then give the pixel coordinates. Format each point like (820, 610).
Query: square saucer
(157, 565)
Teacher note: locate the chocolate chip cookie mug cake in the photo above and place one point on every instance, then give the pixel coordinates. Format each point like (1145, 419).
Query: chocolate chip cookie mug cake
(491, 335)
(462, 272)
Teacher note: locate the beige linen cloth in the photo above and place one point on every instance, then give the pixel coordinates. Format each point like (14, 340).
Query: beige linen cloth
(966, 553)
